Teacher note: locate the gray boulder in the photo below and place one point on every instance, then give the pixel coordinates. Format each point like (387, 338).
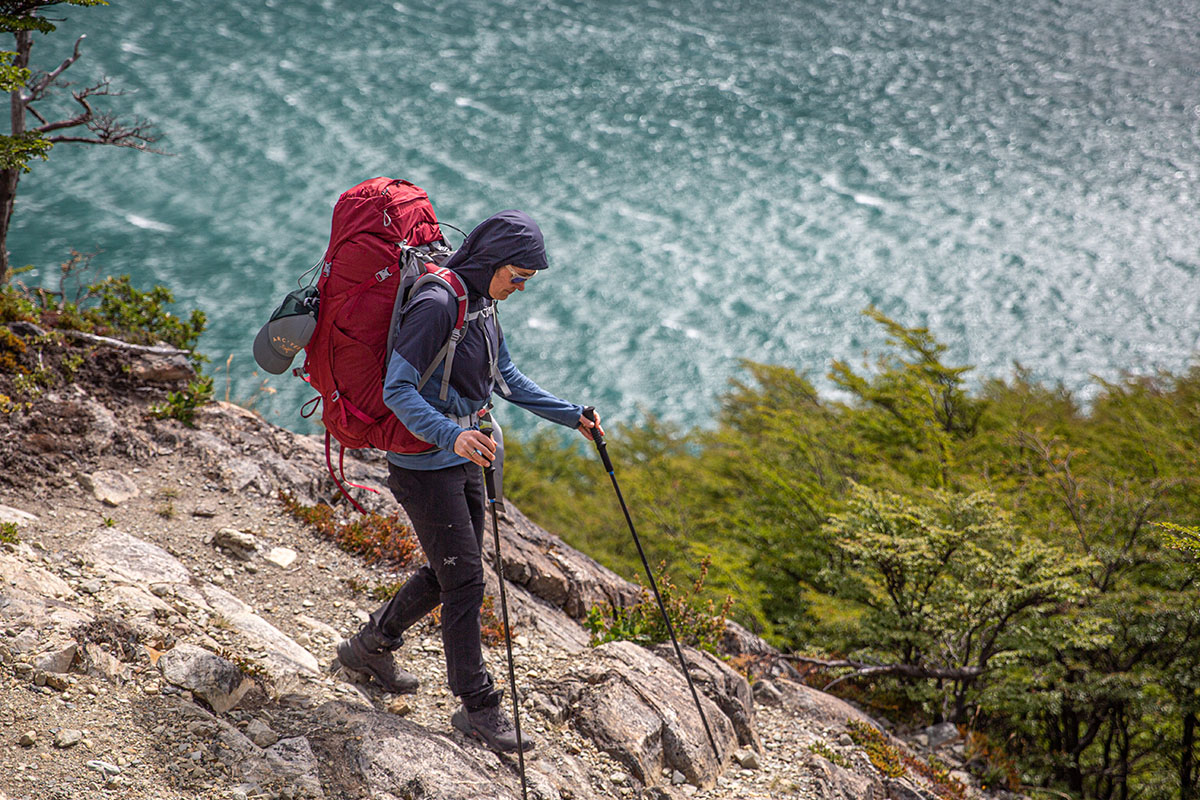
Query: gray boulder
(828, 781)
(124, 557)
(391, 757)
(721, 684)
(214, 679)
(639, 710)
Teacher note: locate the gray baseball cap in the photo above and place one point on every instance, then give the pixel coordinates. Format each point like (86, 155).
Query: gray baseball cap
(287, 331)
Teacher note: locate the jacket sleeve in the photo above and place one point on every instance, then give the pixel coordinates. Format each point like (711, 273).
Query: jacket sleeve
(423, 329)
(531, 397)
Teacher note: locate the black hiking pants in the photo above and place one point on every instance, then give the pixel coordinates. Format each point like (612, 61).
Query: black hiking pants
(446, 507)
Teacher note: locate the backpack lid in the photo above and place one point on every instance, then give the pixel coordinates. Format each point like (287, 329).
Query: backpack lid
(288, 330)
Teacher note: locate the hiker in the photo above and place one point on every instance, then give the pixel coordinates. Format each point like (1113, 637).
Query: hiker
(442, 489)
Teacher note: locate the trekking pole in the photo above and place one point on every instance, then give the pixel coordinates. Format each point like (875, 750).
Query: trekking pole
(489, 475)
(602, 448)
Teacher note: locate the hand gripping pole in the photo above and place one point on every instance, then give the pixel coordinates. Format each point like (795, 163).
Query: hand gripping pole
(489, 477)
(602, 448)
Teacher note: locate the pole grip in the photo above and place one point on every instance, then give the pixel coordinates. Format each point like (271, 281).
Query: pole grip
(489, 472)
(598, 439)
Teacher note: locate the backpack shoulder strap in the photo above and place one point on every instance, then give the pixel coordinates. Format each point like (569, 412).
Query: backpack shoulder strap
(451, 282)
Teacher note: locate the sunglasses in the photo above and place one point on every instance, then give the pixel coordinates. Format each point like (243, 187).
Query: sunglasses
(516, 277)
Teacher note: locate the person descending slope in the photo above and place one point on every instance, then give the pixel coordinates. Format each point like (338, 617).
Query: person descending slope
(440, 400)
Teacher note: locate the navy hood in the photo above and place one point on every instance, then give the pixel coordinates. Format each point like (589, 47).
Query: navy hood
(510, 237)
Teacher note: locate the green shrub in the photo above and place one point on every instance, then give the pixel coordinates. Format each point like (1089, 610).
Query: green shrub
(8, 533)
(142, 315)
(182, 405)
(696, 622)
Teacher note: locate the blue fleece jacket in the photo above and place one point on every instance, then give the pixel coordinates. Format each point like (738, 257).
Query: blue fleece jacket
(509, 237)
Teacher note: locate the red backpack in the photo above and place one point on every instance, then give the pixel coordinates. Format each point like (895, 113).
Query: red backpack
(384, 242)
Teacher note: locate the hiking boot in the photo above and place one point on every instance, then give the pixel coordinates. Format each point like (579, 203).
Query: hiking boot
(368, 653)
(491, 726)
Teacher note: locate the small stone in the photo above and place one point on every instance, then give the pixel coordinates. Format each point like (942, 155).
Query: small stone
(110, 487)
(767, 692)
(91, 586)
(678, 778)
(282, 557)
(67, 737)
(261, 734)
(938, 735)
(59, 682)
(399, 707)
(845, 740)
(58, 660)
(228, 572)
(104, 768)
(206, 510)
(747, 758)
(239, 543)
(619, 778)
(27, 739)
(160, 589)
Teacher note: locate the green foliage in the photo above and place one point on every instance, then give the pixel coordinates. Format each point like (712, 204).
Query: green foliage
(8, 533)
(1185, 538)
(950, 584)
(16, 305)
(826, 752)
(17, 15)
(695, 621)
(182, 405)
(17, 151)
(12, 77)
(1007, 541)
(143, 316)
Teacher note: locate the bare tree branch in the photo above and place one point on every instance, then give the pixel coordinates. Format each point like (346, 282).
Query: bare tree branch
(907, 670)
(110, 342)
(38, 90)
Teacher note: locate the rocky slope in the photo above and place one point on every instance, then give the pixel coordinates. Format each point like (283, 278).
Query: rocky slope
(167, 630)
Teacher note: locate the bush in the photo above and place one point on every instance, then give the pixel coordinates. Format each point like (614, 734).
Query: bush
(182, 405)
(696, 622)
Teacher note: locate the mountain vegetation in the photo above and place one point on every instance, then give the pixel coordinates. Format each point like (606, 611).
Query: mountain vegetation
(1001, 557)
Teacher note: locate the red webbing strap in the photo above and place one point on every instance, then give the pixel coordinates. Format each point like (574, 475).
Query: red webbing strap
(362, 415)
(332, 474)
(342, 469)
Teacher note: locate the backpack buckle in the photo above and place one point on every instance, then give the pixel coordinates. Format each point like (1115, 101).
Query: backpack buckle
(383, 274)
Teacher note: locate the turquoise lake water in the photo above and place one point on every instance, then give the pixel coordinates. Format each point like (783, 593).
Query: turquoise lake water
(716, 180)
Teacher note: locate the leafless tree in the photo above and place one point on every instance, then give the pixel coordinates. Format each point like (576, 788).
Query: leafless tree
(32, 133)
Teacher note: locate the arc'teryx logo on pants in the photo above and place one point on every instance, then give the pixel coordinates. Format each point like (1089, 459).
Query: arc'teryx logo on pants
(449, 561)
